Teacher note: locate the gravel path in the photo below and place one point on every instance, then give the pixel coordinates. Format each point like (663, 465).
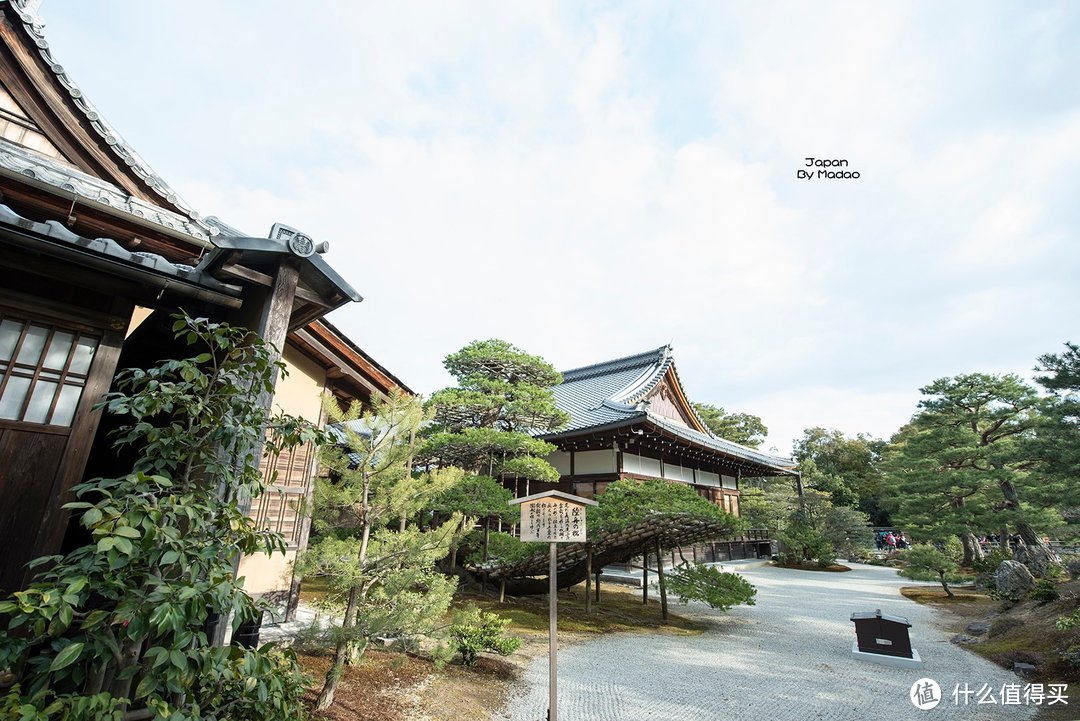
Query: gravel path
(788, 657)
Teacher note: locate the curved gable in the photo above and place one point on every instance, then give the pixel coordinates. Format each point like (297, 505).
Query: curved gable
(668, 400)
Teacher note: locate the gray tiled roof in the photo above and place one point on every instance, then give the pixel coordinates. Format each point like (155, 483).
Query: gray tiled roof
(34, 27)
(86, 190)
(150, 264)
(609, 393)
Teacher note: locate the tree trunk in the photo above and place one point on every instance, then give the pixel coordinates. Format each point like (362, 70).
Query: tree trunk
(645, 576)
(660, 579)
(346, 647)
(1036, 555)
(341, 654)
(976, 547)
(588, 580)
(969, 551)
(944, 584)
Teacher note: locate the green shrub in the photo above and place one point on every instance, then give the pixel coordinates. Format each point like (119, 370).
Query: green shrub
(953, 549)
(990, 562)
(804, 543)
(1045, 591)
(1069, 621)
(475, 631)
(502, 547)
(710, 585)
(927, 563)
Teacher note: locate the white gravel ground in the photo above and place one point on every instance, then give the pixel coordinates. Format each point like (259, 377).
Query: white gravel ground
(788, 657)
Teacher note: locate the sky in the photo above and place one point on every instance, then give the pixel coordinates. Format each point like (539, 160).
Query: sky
(592, 180)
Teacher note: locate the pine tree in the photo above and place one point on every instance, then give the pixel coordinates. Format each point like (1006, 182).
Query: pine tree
(967, 452)
(486, 424)
(381, 571)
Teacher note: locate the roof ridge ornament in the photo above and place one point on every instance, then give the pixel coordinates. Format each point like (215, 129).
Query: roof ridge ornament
(299, 243)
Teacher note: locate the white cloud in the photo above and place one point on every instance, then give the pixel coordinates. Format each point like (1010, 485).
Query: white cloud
(519, 171)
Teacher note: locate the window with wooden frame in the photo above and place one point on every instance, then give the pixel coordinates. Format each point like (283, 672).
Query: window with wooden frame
(281, 506)
(43, 370)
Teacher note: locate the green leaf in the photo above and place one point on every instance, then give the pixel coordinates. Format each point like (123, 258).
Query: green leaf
(147, 686)
(66, 657)
(127, 532)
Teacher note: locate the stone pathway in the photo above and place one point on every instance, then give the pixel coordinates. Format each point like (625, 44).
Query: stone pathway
(788, 657)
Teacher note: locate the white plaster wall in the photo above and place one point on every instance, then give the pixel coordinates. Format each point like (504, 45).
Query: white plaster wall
(594, 462)
(642, 465)
(561, 461)
(705, 478)
(678, 473)
(729, 482)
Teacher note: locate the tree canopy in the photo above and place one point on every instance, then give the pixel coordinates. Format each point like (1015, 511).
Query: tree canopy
(485, 424)
(744, 428)
(627, 502)
(966, 459)
(844, 467)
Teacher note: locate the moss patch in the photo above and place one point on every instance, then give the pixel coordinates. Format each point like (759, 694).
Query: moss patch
(620, 610)
(935, 595)
(810, 566)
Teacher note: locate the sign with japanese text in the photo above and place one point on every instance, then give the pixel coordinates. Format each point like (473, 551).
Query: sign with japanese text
(552, 519)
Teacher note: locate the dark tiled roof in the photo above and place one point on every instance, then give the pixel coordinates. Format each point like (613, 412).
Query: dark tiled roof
(609, 393)
(150, 264)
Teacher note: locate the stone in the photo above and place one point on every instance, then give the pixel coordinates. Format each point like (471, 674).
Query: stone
(1037, 558)
(1013, 580)
(1023, 669)
(978, 628)
(962, 640)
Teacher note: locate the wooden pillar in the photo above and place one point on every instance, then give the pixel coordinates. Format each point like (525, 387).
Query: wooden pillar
(660, 578)
(588, 580)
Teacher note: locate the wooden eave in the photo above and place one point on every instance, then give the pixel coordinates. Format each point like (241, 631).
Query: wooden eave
(351, 373)
(37, 89)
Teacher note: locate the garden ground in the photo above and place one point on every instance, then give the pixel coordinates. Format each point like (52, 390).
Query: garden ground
(787, 657)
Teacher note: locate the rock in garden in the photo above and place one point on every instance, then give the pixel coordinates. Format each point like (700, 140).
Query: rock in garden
(1037, 559)
(1013, 580)
(978, 628)
(963, 640)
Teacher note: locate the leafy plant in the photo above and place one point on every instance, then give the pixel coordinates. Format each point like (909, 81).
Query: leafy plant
(710, 585)
(475, 631)
(626, 502)
(1045, 591)
(502, 547)
(805, 543)
(379, 575)
(927, 563)
(120, 621)
(1068, 621)
(991, 560)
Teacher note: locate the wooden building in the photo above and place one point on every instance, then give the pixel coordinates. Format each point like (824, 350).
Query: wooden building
(630, 418)
(96, 251)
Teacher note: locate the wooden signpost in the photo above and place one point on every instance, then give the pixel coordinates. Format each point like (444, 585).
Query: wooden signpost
(555, 517)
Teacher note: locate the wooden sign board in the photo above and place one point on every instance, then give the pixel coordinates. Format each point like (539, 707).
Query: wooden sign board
(553, 517)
